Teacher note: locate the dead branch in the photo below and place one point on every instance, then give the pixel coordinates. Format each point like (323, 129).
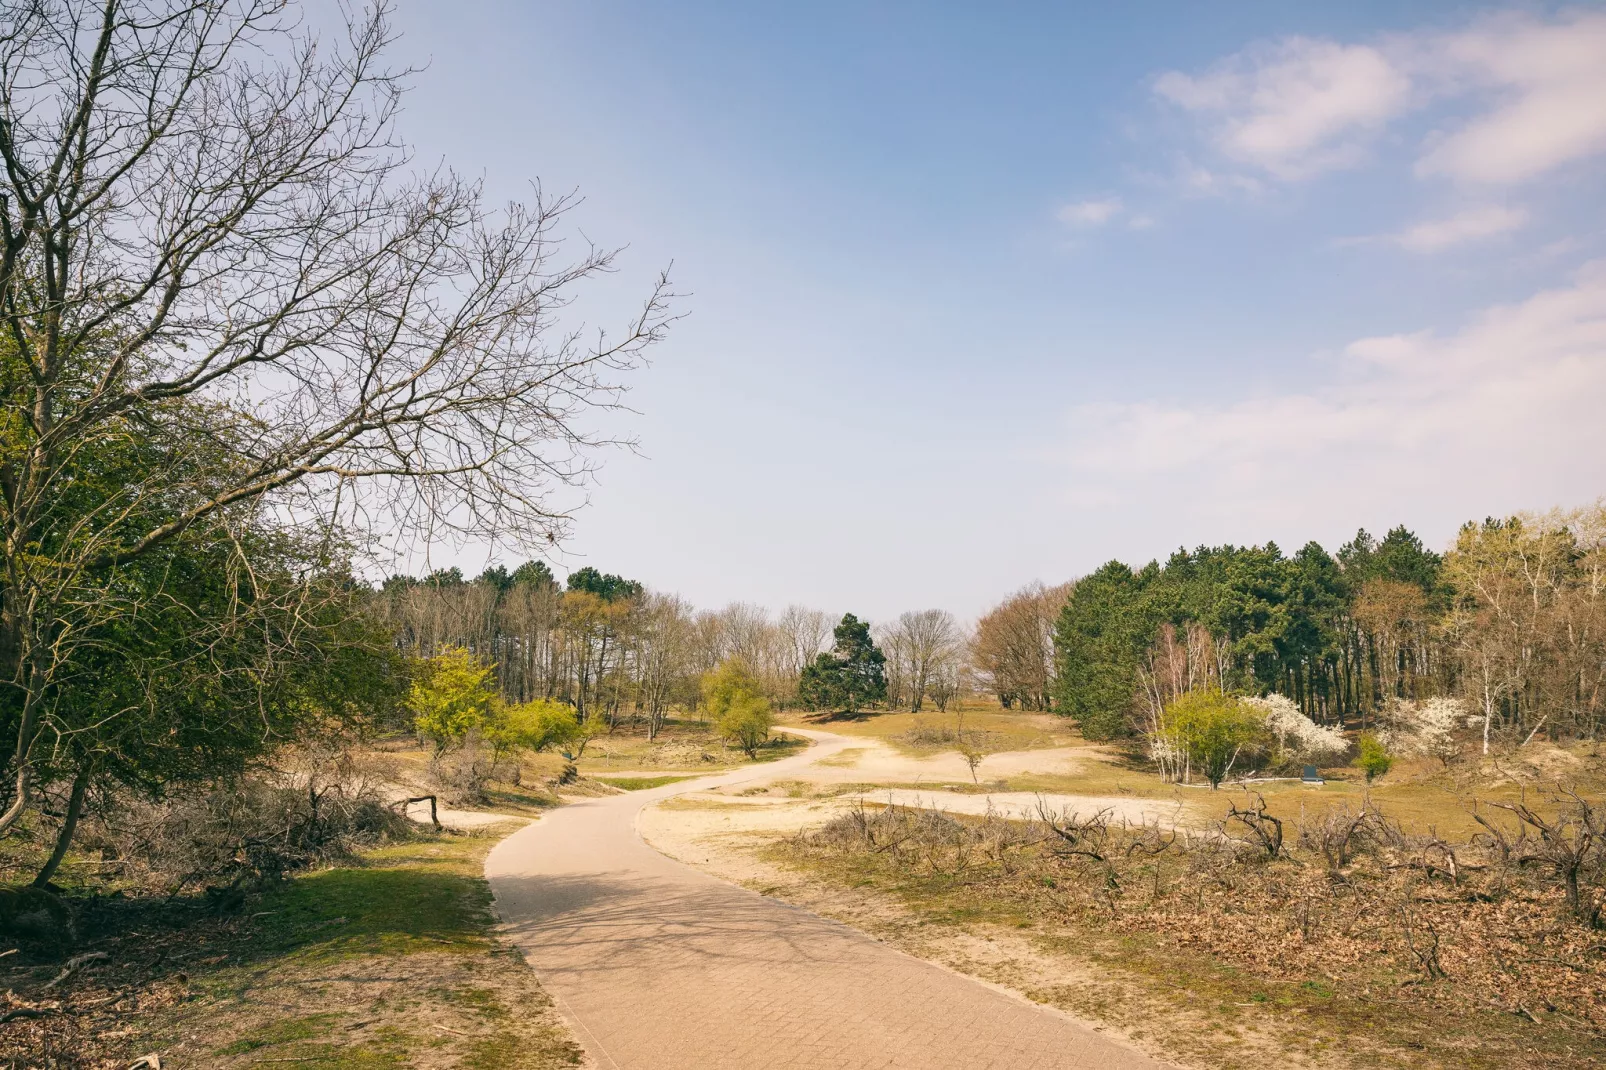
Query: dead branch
(73, 965)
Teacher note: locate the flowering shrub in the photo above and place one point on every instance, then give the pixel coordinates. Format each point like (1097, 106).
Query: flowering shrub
(1423, 729)
(1298, 737)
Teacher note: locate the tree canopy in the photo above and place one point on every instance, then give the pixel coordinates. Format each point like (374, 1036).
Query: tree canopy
(605, 585)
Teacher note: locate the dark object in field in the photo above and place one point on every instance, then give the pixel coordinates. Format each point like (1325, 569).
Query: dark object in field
(19, 903)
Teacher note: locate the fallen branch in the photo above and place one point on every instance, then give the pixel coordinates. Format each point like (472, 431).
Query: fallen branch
(30, 1012)
(434, 818)
(73, 965)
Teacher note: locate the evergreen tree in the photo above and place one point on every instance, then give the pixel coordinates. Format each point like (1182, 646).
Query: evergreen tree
(605, 585)
(535, 574)
(496, 576)
(1099, 642)
(444, 577)
(851, 676)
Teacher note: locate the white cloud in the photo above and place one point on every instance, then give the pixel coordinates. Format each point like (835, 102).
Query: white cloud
(1090, 213)
(1502, 414)
(1551, 83)
(1470, 225)
(1535, 88)
(1294, 107)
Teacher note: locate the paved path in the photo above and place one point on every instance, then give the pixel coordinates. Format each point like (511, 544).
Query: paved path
(661, 967)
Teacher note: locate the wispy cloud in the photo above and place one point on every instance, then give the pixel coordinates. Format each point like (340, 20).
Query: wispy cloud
(1294, 107)
(1290, 109)
(1549, 81)
(1401, 412)
(1090, 213)
(1473, 224)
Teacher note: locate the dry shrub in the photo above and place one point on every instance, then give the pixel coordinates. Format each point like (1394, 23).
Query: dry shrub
(236, 833)
(923, 734)
(1352, 899)
(461, 774)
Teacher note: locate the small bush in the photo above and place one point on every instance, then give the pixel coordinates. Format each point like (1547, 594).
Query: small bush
(461, 773)
(1374, 759)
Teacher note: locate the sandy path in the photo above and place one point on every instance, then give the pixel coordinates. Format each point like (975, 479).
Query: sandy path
(1022, 804)
(661, 966)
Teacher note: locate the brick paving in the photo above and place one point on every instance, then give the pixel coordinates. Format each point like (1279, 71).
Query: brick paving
(661, 967)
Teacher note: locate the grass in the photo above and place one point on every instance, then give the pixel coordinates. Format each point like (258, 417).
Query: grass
(387, 963)
(640, 783)
(1000, 729)
(682, 746)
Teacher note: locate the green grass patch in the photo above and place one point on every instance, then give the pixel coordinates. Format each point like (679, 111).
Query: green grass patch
(284, 1031)
(387, 963)
(413, 897)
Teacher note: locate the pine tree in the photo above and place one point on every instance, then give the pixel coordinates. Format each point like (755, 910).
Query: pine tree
(851, 676)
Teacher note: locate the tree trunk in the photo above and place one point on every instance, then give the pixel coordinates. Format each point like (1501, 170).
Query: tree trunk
(69, 825)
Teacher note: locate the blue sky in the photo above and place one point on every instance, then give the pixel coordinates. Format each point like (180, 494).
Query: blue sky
(983, 294)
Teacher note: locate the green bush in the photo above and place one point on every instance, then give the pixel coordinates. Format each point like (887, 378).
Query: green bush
(1214, 729)
(1374, 759)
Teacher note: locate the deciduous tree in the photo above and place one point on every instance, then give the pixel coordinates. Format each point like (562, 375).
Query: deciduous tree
(212, 241)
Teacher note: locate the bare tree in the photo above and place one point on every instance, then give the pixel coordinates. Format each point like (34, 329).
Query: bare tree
(665, 656)
(896, 669)
(211, 238)
(1014, 646)
(745, 627)
(806, 633)
(924, 644)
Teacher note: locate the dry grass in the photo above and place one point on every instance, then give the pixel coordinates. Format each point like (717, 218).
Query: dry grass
(929, 732)
(687, 748)
(683, 746)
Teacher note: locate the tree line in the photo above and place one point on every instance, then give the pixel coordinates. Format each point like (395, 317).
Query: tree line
(1510, 621)
(615, 649)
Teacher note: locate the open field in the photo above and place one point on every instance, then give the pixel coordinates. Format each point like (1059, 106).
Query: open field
(930, 732)
(683, 747)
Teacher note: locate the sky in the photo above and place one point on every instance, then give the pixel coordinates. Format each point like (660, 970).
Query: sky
(982, 294)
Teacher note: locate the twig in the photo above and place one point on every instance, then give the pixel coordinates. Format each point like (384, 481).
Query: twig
(73, 964)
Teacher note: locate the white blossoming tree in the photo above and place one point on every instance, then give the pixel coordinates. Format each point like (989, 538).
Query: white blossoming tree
(1423, 729)
(1298, 737)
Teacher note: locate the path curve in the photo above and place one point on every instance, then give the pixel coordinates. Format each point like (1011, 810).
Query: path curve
(661, 967)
